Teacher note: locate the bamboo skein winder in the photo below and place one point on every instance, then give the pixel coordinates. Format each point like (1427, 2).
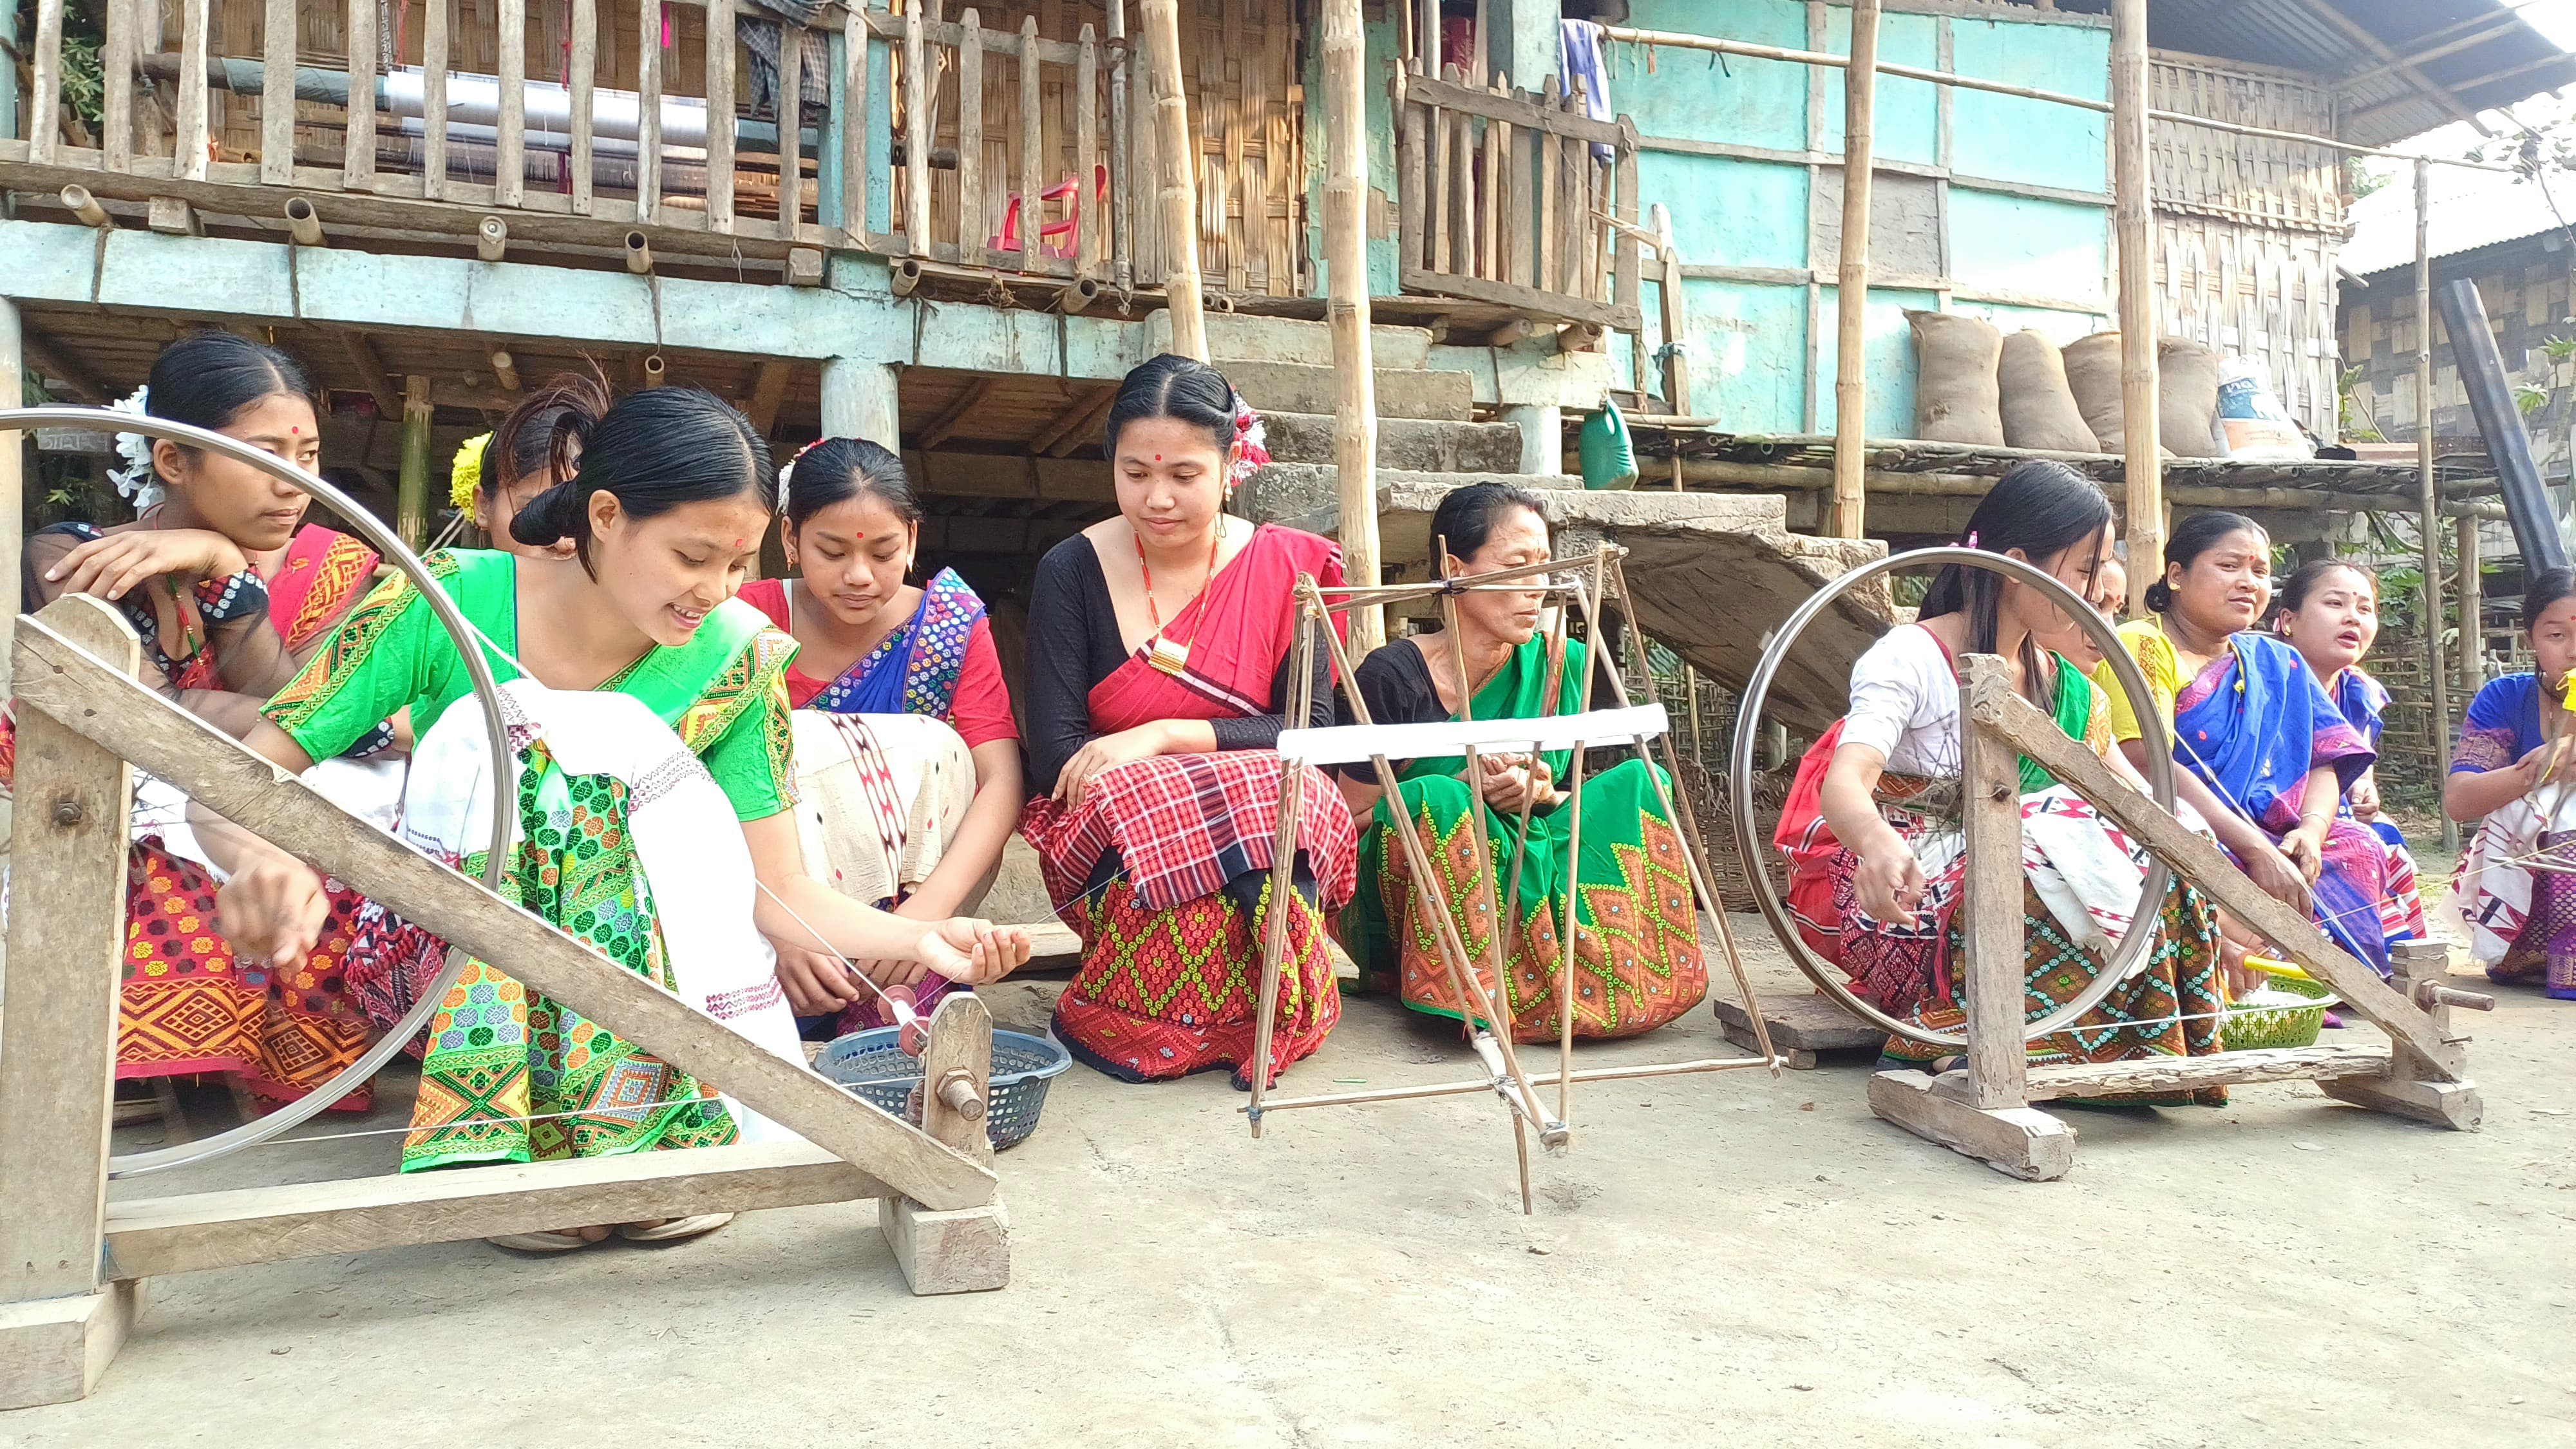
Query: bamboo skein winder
(1644, 726)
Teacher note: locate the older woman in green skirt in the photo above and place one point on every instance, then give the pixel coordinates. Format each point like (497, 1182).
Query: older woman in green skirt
(1636, 960)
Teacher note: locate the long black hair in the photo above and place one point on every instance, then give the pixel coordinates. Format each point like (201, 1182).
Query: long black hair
(653, 451)
(2040, 508)
(2547, 587)
(2307, 577)
(1173, 386)
(207, 379)
(837, 470)
(2194, 536)
(524, 444)
(1466, 516)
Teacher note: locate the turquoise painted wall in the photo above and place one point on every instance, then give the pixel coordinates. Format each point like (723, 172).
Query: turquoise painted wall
(1747, 338)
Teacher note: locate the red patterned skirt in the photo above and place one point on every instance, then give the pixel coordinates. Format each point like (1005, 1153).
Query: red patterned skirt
(188, 1006)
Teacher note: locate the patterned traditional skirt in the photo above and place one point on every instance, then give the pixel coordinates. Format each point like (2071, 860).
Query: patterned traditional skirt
(2543, 949)
(187, 1005)
(1637, 955)
(1165, 993)
(2174, 1006)
(1164, 872)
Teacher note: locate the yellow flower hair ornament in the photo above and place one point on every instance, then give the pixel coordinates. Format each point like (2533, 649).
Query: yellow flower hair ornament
(465, 475)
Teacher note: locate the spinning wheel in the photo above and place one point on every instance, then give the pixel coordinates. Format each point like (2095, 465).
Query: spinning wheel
(1753, 848)
(486, 694)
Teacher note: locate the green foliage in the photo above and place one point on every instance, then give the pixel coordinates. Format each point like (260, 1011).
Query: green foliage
(2352, 412)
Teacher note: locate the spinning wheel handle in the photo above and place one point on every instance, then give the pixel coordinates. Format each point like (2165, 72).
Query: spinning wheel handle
(1753, 850)
(486, 693)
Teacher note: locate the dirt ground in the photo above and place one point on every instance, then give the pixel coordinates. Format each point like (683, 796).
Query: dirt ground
(1719, 1257)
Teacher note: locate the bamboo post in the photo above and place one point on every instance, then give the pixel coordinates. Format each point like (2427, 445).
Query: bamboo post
(720, 117)
(510, 140)
(1122, 153)
(917, 128)
(188, 141)
(2472, 611)
(583, 63)
(277, 90)
(1851, 295)
(2429, 498)
(116, 137)
(971, 235)
(648, 115)
(1176, 156)
(1032, 220)
(2133, 224)
(1283, 846)
(434, 35)
(1346, 260)
(1088, 225)
(411, 490)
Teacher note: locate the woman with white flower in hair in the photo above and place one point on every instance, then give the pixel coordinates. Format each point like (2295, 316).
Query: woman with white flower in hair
(230, 589)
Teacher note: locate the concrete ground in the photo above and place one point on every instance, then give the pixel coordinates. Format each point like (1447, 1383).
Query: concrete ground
(1722, 1257)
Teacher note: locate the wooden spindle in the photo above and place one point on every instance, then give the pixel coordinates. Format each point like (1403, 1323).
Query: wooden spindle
(720, 94)
(584, 64)
(1032, 210)
(358, 143)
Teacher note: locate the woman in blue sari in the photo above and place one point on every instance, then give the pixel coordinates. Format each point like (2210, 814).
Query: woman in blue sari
(907, 758)
(2253, 723)
(2329, 612)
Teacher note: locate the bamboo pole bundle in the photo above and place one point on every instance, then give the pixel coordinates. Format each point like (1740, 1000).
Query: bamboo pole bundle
(1176, 154)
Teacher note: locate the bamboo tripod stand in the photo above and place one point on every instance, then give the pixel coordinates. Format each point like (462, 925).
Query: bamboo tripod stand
(1587, 585)
(73, 1264)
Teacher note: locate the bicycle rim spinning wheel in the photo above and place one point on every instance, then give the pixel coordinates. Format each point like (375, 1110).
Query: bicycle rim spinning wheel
(1754, 848)
(486, 694)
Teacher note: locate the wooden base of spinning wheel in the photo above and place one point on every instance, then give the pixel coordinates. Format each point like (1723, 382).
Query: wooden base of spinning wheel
(72, 1264)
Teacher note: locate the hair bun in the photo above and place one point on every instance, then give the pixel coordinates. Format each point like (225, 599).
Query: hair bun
(2158, 597)
(551, 516)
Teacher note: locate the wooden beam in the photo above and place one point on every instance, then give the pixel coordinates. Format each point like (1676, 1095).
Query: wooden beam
(1176, 154)
(2133, 224)
(2361, 35)
(371, 372)
(1088, 404)
(2182, 1074)
(277, 93)
(1346, 260)
(60, 995)
(151, 1237)
(2021, 1142)
(48, 358)
(944, 426)
(74, 687)
(1990, 786)
(1845, 514)
(2198, 861)
(768, 389)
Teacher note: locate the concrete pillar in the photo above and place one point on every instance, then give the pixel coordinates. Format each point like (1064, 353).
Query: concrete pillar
(1542, 437)
(859, 402)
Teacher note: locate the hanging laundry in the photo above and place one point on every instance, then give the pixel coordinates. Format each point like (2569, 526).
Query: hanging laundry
(1578, 59)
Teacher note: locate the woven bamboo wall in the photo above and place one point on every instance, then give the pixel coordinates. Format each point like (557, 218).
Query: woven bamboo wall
(2247, 227)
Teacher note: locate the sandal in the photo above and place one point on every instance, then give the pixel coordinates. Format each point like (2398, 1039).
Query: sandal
(675, 1229)
(541, 1242)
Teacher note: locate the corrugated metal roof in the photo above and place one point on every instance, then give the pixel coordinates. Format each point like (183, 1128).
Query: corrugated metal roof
(2489, 56)
(2471, 209)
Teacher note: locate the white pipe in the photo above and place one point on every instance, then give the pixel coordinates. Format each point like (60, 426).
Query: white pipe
(476, 100)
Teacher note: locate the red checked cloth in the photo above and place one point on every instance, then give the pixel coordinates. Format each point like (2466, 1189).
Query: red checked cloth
(1184, 825)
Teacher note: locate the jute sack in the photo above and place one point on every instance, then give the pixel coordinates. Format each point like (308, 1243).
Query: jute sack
(2038, 408)
(2186, 398)
(2093, 378)
(1955, 362)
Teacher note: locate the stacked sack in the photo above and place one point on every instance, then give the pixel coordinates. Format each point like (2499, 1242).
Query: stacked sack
(1974, 385)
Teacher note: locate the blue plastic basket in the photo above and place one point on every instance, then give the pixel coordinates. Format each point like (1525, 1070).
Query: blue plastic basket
(872, 1064)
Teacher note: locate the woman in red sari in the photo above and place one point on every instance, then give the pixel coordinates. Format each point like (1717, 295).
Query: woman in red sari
(229, 589)
(1157, 676)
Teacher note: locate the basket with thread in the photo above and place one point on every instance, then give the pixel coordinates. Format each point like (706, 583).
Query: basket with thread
(2288, 1010)
(873, 1065)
